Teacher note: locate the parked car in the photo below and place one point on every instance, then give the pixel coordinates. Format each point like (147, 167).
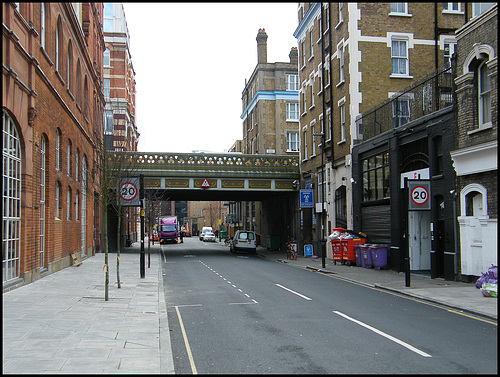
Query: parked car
(209, 237)
(243, 240)
(204, 230)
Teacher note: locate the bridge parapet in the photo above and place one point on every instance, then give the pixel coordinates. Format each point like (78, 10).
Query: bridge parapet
(222, 162)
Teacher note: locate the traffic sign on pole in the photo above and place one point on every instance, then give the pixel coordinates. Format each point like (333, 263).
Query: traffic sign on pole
(419, 194)
(129, 192)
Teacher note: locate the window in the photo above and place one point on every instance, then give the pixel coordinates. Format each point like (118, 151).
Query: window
(399, 57)
(108, 122)
(484, 90)
(401, 111)
(305, 143)
(438, 155)
(42, 26)
(327, 71)
(311, 38)
(342, 122)
(85, 97)
(449, 50)
(78, 86)
(292, 111)
(107, 58)
(451, 7)
(303, 50)
(43, 177)
(311, 92)
(76, 205)
(292, 141)
(341, 17)
(11, 209)
(77, 158)
(58, 149)
(69, 66)
(399, 8)
(106, 88)
(108, 17)
(327, 17)
(376, 182)
(478, 8)
(313, 131)
(341, 62)
(68, 158)
(68, 204)
(58, 44)
(320, 173)
(57, 199)
(292, 82)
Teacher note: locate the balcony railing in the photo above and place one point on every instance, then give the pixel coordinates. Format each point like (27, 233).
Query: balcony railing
(423, 97)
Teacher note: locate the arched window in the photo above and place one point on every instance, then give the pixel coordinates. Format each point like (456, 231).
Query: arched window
(68, 158)
(42, 26)
(59, 46)
(11, 215)
(58, 149)
(77, 163)
(484, 92)
(43, 182)
(68, 203)
(474, 201)
(78, 86)
(69, 67)
(57, 201)
(85, 98)
(84, 207)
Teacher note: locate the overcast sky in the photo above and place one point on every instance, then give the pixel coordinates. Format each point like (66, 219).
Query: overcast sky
(191, 61)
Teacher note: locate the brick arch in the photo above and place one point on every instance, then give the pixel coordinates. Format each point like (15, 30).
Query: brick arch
(478, 52)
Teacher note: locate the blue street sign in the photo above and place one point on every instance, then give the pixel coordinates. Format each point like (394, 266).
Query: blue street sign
(306, 198)
(308, 250)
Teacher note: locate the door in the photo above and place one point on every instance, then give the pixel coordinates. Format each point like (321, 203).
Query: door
(419, 240)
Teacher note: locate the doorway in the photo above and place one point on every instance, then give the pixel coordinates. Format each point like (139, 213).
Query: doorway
(419, 240)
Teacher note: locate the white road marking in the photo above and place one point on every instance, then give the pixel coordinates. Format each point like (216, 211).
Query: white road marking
(295, 293)
(396, 340)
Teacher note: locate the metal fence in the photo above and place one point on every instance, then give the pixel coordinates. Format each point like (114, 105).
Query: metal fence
(423, 97)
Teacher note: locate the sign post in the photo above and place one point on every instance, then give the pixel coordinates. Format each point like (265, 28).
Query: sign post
(141, 199)
(306, 198)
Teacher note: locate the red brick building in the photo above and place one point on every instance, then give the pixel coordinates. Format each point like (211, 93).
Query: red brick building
(52, 112)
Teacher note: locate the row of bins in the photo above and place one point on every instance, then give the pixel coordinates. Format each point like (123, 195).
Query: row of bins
(356, 251)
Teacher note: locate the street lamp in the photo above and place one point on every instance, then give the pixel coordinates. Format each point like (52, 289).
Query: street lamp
(322, 134)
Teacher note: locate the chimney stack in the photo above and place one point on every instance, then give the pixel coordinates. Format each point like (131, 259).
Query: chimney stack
(294, 56)
(261, 46)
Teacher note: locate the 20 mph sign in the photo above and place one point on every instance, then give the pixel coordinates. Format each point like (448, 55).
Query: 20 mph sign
(420, 195)
(129, 192)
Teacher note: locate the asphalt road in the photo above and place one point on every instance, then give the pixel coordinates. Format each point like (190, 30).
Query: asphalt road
(241, 313)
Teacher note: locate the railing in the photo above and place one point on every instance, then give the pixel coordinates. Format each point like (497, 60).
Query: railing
(212, 161)
(423, 97)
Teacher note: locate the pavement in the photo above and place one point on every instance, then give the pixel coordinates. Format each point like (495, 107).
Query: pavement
(61, 324)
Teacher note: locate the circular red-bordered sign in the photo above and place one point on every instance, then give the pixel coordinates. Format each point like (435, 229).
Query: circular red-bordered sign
(419, 195)
(128, 191)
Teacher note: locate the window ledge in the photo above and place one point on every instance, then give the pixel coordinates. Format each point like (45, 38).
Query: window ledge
(339, 24)
(302, 68)
(452, 12)
(310, 58)
(393, 76)
(340, 83)
(341, 142)
(312, 106)
(485, 127)
(400, 14)
(46, 56)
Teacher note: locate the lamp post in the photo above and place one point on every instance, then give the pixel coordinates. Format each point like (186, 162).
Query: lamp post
(322, 134)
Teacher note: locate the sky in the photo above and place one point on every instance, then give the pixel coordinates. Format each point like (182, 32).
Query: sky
(191, 61)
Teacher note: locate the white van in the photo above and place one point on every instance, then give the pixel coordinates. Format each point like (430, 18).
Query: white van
(204, 230)
(244, 240)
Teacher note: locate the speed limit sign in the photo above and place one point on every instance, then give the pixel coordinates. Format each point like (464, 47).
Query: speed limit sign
(129, 192)
(419, 191)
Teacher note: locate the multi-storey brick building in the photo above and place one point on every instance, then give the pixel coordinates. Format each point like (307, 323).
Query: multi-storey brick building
(353, 56)
(475, 157)
(120, 131)
(270, 117)
(52, 111)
